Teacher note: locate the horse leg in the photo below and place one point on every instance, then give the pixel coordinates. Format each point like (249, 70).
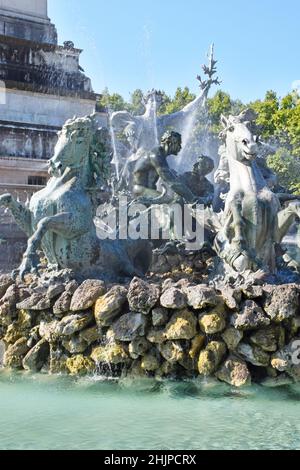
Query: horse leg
(21, 215)
(61, 223)
(238, 223)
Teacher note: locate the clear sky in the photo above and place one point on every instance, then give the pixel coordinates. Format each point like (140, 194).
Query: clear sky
(131, 44)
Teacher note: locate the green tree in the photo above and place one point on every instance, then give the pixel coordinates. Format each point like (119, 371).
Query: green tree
(181, 99)
(217, 105)
(136, 105)
(267, 110)
(287, 169)
(114, 102)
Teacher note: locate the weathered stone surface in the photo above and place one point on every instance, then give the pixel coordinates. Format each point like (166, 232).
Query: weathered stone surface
(288, 359)
(14, 354)
(253, 292)
(20, 327)
(73, 323)
(269, 339)
(282, 302)
(55, 290)
(160, 316)
(87, 294)
(201, 297)
(139, 347)
(232, 338)
(80, 365)
(71, 287)
(197, 344)
(47, 330)
(172, 351)
(112, 353)
(281, 381)
(35, 302)
(37, 356)
(91, 335)
(188, 363)
(214, 321)
(173, 299)
(232, 297)
(129, 326)
(251, 317)
(75, 345)
(211, 357)
(58, 360)
(79, 343)
(5, 282)
(167, 369)
(142, 296)
(108, 307)
(235, 372)
(63, 304)
(150, 362)
(156, 335)
(254, 355)
(183, 325)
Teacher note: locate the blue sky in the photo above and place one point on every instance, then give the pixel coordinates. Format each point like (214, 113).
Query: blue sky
(131, 44)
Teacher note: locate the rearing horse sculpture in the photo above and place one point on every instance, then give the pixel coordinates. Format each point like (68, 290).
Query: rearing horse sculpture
(253, 220)
(60, 217)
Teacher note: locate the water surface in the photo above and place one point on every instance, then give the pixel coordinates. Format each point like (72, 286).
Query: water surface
(42, 412)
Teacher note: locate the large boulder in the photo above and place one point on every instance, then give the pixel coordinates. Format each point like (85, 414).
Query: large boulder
(156, 336)
(160, 316)
(58, 360)
(36, 302)
(5, 282)
(235, 372)
(112, 353)
(173, 299)
(129, 326)
(62, 304)
(287, 359)
(142, 296)
(201, 297)
(14, 354)
(172, 351)
(232, 338)
(197, 344)
(213, 321)
(183, 325)
(269, 339)
(211, 357)
(87, 294)
(253, 354)
(37, 356)
(110, 305)
(251, 317)
(138, 347)
(151, 361)
(73, 323)
(282, 302)
(79, 343)
(80, 365)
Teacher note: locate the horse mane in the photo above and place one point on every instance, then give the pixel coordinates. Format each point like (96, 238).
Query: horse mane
(100, 149)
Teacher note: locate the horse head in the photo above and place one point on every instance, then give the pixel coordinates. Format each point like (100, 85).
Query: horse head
(240, 135)
(82, 145)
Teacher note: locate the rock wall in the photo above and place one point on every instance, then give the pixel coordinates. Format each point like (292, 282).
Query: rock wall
(158, 329)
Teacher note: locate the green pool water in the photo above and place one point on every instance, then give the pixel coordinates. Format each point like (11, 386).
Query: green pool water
(41, 412)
